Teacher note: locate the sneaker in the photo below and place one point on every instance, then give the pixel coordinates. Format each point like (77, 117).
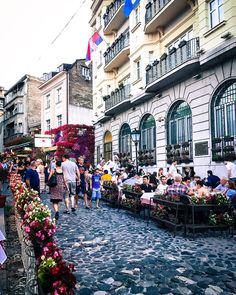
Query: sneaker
(57, 215)
(87, 207)
(73, 210)
(66, 212)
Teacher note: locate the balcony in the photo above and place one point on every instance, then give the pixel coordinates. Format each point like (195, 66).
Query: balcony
(179, 63)
(160, 12)
(117, 54)
(118, 100)
(114, 17)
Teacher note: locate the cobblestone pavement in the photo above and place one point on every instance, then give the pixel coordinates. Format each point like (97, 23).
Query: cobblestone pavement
(117, 253)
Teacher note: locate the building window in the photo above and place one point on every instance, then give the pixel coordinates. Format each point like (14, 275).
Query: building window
(136, 15)
(48, 124)
(148, 133)
(100, 58)
(20, 107)
(125, 140)
(59, 97)
(137, 70)
(48, 101)
(179, 123)
(107, 146)
(188, 35)
(86, 73)
(216, 13)
(59, 120)
(99, 21)
(224, 110)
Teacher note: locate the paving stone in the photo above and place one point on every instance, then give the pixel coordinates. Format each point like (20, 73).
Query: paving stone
(118, 254)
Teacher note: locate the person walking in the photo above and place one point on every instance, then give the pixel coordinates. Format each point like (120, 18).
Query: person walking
(32, 177)
(70, 174)
(81, 185)
(96, 187)
(57, 193)
(40, 169)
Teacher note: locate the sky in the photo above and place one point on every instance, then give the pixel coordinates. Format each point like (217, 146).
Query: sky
(27, 29)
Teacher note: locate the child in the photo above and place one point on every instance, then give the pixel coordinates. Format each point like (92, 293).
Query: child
(96, 187)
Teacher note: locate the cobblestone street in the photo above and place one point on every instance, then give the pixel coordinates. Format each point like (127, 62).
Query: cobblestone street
(115, 252)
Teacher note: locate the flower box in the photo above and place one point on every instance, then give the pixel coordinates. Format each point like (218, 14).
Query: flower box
(176, 146)
(216, 140)
(228, 138)
(182, 43)
(163, 57)
(149, 4)
(185, 144)
(156, 62)
(148, 68)
(172, 50)
(228, 148)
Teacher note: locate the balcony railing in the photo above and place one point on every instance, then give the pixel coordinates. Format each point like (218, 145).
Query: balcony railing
(111, 11)
(152, 8)
(180, 152)
(117, 96)
(223, 148)
(120, 43)
(187, 50)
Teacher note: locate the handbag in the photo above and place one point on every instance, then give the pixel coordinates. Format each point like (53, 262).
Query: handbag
(52, 180)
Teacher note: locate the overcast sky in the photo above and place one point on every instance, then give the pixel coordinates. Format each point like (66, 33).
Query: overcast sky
(27, 28)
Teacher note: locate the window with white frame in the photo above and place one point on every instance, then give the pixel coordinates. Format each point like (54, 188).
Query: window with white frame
(59, 120)
(85, 72)
(20, 107)
(99, 21)
(20, 127)
(136, 15)
(216, 13)
(151, 57)
(48, 124)
(137, 70)
(100, 58)
(188, 35)
(47, 101)
(59, 96)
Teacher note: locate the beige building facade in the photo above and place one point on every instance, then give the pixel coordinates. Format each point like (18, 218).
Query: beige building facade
(169, 71)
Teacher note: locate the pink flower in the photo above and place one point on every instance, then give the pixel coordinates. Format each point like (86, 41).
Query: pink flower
(38, 234)
(27, 229)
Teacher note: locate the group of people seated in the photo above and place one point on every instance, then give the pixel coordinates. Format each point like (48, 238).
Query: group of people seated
(172, 183)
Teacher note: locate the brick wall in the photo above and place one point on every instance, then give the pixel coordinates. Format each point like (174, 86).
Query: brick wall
(80, 90)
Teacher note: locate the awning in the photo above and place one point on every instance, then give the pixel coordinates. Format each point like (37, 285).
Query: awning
(50, 149)
(18, 146)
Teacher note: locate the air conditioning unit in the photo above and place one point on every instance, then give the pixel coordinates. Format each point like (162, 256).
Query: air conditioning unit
(87, 78)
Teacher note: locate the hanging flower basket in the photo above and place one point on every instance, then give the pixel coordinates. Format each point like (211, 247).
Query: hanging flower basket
(163, 57)
(228, 138)
(216, 140)
(172, 50)
(148, 68)
(182, 43)
(156, 62)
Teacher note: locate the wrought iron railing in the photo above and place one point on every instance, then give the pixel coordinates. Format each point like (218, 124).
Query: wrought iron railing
(120, 43)
(147, 157)
(118, 95)
(187, 50)
(111, 11)
(180, 152)
(224, 148)
(152, 8)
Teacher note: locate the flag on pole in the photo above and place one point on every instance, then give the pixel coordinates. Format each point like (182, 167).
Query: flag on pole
(93, 43)
(129, 6)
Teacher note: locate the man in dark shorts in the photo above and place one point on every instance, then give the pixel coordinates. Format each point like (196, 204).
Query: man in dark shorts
(81, 188)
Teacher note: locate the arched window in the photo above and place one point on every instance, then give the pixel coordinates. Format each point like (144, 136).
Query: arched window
(148, 133)
(223, 115)
(179, 123)
(108, 146)
(125, 139)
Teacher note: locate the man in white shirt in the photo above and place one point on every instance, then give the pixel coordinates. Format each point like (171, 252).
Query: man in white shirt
(162, 187)
(231, 170)
(70, 173)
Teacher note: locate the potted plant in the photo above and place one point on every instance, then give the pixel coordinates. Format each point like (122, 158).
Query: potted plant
(182, 43)
(176, 146)
(172, 50)
(148, 68)
(216, 140)
(216, 149)
(228, 148)
(149, 4)
(185, 144)
(228, 138)
(163, 57)
(217, 158)
(156, 62)
(121, 85)
(169, 147)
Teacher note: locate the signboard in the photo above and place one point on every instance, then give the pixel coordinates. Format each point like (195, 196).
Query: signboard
(42, 140)
(201, 148)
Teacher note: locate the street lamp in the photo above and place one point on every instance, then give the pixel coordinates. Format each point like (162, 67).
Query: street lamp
(135, 135)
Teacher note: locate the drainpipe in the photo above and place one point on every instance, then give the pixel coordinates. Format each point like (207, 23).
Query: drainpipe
(67, 97)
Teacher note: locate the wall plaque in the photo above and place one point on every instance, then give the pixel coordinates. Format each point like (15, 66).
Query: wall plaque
(201, 148)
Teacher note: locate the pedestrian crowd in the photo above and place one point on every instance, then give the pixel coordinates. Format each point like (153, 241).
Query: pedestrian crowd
(66, 180)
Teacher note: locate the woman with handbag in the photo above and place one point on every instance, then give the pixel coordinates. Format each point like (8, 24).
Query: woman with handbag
(57, 187)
